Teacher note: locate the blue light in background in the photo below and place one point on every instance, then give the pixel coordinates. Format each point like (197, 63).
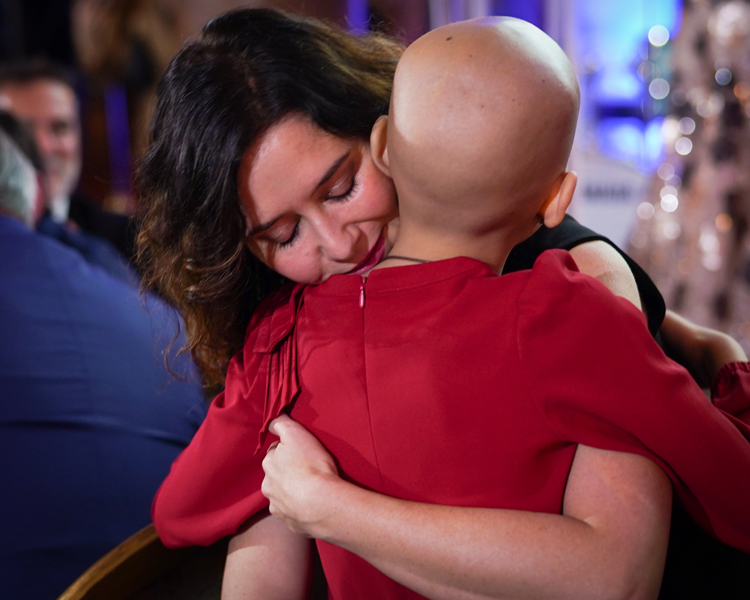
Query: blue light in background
(533, 12)
(654, 143)
(617, 86)
(613, 35)
(612, 40)
(622, 137)
(632, 140)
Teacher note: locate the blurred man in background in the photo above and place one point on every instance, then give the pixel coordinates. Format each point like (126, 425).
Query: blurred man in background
(42, 96)
(90, 420)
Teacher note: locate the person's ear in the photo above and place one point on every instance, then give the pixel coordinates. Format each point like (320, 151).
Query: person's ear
(379, 145)
(553, 209)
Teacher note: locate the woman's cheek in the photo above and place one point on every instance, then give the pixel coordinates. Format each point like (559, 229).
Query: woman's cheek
(302, 268)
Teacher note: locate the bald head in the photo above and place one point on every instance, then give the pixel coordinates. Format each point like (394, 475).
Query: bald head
(482, 120)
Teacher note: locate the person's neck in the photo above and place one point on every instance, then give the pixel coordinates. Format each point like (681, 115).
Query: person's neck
(416, 246)
(59, 206)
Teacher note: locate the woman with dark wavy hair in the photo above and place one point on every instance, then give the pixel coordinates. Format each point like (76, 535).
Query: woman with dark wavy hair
(250, 70)
(260, 172)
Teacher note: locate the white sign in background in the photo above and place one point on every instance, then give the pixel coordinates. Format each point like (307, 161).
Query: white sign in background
(607, 196)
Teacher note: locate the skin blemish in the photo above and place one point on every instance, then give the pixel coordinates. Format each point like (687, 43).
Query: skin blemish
(448, 39)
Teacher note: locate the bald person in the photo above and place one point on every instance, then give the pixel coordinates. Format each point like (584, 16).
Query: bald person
(482, 120)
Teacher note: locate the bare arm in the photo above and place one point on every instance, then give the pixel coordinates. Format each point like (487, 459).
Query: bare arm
(267, 562)
(610, 541)
(701, 350)
(602, 262)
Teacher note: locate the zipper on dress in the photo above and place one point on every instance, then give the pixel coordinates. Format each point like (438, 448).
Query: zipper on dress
(362, 292)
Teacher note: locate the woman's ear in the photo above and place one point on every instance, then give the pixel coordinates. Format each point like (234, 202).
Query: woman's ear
(553, 209)
(379, 145)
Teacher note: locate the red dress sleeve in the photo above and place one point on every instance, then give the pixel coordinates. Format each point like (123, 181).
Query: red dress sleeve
(601, 380)
(730, 390)
(214, 485)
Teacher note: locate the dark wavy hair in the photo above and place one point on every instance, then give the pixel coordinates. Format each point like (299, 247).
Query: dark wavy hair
(247, 71)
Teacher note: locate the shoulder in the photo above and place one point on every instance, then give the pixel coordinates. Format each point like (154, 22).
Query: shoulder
(560, 301)
(39, 256)
(586, 349)
(555, 275)
(277, 310)
(566, 235)
(599, 257)
(601, 261)
(53, 279)
(272, 322)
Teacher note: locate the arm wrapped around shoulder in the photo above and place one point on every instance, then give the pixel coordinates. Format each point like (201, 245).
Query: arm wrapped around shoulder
(602, 381)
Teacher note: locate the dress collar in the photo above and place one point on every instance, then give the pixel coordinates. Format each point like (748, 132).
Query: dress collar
(406, 277)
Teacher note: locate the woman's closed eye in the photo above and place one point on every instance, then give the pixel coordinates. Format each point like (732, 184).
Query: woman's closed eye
(343, 190)
(291, 239)
(281, 234)
(285, 236)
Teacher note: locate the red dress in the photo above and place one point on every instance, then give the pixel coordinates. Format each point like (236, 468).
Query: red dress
(454, 386)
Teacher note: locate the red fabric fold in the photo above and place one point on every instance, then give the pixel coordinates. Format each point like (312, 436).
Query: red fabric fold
(277, 340)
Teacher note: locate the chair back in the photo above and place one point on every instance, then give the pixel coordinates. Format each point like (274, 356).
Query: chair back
(142, 568)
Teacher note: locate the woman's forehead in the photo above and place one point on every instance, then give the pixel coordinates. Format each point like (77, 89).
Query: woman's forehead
(288, 163)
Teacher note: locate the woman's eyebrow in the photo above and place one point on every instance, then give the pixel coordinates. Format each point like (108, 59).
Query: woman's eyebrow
(334, 167)
(261, 228)
(328, 174)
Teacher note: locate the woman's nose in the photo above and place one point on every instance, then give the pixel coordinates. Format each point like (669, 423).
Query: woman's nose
(338, 242)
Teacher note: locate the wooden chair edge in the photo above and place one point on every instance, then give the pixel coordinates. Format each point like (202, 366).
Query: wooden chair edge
(110, 562)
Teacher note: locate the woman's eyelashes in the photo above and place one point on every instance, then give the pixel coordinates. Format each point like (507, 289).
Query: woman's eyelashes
(291, 239)
(343, 190)
(281, 234)
(350, 189)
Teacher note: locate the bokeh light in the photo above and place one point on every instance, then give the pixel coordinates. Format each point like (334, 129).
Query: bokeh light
(665, 171)
(667, 190)
(659, 89)
(683, 146)
(723, 76)
(723, 222)
(671, 230)
(658, 35)
(686, 126)
(645, 210)
(669, 203)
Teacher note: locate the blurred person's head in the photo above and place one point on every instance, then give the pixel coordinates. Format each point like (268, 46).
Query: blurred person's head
(24, 140)
(18, 185)
(41, 95)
